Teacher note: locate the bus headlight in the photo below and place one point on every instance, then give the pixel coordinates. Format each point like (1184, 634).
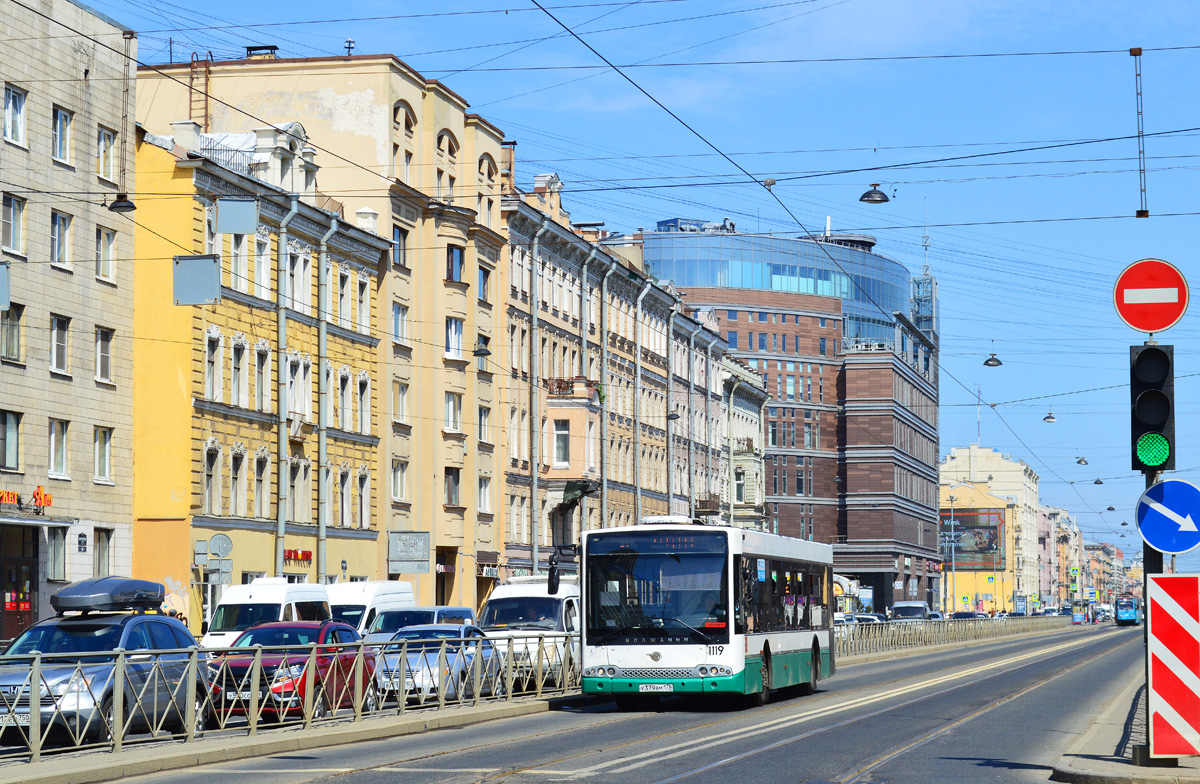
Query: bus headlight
(704, 671)
(612, 671)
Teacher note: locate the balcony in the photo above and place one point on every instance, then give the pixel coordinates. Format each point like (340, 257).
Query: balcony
(743, 445)
(570, 387)
(708, 504)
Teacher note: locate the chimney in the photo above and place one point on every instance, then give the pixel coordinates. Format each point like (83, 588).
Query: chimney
(508, 167)
(368, 219)
(187, 134)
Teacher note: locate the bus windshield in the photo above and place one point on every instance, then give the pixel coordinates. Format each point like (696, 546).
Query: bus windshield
(657, 587)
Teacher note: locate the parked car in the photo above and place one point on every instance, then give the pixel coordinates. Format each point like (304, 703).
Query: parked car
(95, 617)
(262, 600)
(359, 603)
(409, 663)
(910, 611)
(284, 664)
(388, 622)
(937, 616)
(964, 615)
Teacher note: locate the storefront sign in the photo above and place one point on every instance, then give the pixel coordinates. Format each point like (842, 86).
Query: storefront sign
(408, 552)
(445, 568)
(41, 499)
(489, 571)
(297, 555)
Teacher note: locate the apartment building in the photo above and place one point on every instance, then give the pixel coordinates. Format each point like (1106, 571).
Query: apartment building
(979, 571)
(66, 322)
(615, 397)
(745, 487)
(256, 419)
(404, 151)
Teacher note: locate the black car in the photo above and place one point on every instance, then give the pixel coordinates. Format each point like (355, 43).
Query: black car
(78, 663)
(963, 615)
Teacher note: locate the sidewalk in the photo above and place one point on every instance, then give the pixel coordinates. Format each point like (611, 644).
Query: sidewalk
(85, 767)
(1104, 754)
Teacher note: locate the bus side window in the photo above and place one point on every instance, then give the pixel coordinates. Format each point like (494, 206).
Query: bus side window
(742, 594)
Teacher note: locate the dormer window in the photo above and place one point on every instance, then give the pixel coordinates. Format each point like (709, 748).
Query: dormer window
(404, 117)
(446, 145)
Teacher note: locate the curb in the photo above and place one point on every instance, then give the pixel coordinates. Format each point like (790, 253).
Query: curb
(61, 769)
(1075, 767)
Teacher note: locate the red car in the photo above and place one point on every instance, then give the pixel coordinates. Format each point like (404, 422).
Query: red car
(283, 678)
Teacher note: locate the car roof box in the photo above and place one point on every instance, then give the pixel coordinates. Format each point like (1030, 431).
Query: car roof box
(107, 594)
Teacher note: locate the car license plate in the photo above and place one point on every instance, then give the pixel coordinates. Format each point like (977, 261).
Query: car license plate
(238, 695)
(656, 687)
(14, 718)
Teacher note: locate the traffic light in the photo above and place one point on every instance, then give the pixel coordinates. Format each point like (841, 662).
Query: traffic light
(1152, 407)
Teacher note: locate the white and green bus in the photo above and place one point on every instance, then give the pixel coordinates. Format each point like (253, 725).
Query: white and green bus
(680, 607)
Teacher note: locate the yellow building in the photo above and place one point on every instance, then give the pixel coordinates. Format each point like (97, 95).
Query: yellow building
(256, 419)
(977, 536)
(405, 151)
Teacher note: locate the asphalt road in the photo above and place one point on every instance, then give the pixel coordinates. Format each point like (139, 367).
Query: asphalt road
(1002, 712)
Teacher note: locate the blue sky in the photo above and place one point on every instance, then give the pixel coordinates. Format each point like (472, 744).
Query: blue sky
(1030, 279)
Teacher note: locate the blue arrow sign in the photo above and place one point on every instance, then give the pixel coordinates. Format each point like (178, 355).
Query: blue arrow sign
(1167, 514)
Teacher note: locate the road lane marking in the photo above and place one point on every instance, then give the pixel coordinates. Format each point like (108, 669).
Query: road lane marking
(402, 769)
(643, 759)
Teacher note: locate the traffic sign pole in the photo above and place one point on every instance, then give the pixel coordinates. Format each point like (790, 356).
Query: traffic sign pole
(1152, 563)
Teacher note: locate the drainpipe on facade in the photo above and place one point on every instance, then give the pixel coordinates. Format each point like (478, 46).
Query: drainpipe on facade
(670, 399)
(732, 444)
(322, 397)
(535, 414)
(605, 392)
(762, 434)
(691, 420)
(637, 403)
(282, 370)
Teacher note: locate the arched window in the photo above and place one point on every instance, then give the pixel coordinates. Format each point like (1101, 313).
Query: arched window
(487, 170)
(447, 145)
(404, 117)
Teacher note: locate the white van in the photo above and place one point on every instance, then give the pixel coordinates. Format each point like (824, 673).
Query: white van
(262, 600)
(358, 603)
(523, 608)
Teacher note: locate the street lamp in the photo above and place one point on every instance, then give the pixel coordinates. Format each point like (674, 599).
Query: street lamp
(992, 361)
(874, 196)
(1049, 418)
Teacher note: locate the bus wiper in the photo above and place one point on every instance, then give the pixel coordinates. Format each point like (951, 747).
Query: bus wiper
(611, 633)
(703, 636)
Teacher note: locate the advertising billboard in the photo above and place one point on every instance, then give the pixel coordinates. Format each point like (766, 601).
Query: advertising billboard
(980, 539)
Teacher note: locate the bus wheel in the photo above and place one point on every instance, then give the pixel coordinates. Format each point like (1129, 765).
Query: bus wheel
(763, 696)
(814, 672)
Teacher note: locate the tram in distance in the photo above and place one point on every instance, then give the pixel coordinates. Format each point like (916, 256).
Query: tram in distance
(1129, 611)
(673, 606)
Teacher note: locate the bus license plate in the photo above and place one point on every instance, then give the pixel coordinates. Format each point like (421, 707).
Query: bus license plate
(656, 687)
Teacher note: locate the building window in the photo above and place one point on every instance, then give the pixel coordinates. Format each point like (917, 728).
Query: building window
(485, 494)
(14, 115)
(733, 339)
(237, 376)
(762, 341)
(13, 234)
(104, 354)
(344, 499)
(106, 146)
(485, 426)
(399, 322)
(364, 501)
(60, 238)
(212, 369)
(239, 263)
(400, 244)
(821, 346)
(102, 443)
(10, 332)
(345, 407)
(454, 333)
(211, 502)
(399, 401)
(294, 503)
(364, 406)
(821, 322)
(453, 420)
(102, 552)
(56, 559)
(262, 380)
(484, 291)
(364, 307)
(59, 334)
(262, 267)
(105, 240)
(59, 463)
(262, 503)
(344, 299)
(452, 493)
(10, 440)
(61, 135)
(562, 442)
(454, 263)
(399, 480)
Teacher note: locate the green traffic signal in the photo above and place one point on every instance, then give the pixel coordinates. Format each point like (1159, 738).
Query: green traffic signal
(1153, 449)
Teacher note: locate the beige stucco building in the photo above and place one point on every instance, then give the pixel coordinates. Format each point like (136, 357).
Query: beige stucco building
(402, 153)
(66, 337)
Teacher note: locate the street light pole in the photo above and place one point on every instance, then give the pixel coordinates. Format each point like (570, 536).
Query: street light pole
(953, 559)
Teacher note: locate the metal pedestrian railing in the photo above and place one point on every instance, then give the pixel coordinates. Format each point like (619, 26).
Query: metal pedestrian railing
(854, 639)
(117, 699)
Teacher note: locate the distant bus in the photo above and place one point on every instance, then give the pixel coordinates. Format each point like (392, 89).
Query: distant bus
(671, 606)
(1129, 611)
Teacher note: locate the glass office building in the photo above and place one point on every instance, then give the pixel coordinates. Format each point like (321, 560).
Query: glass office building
(871, 286)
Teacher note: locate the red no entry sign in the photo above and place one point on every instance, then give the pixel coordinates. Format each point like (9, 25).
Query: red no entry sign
(1151, 295)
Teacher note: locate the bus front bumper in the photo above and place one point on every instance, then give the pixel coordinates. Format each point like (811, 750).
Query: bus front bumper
(725, 684)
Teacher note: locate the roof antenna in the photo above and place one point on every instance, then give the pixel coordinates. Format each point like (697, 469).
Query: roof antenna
(349, 46)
